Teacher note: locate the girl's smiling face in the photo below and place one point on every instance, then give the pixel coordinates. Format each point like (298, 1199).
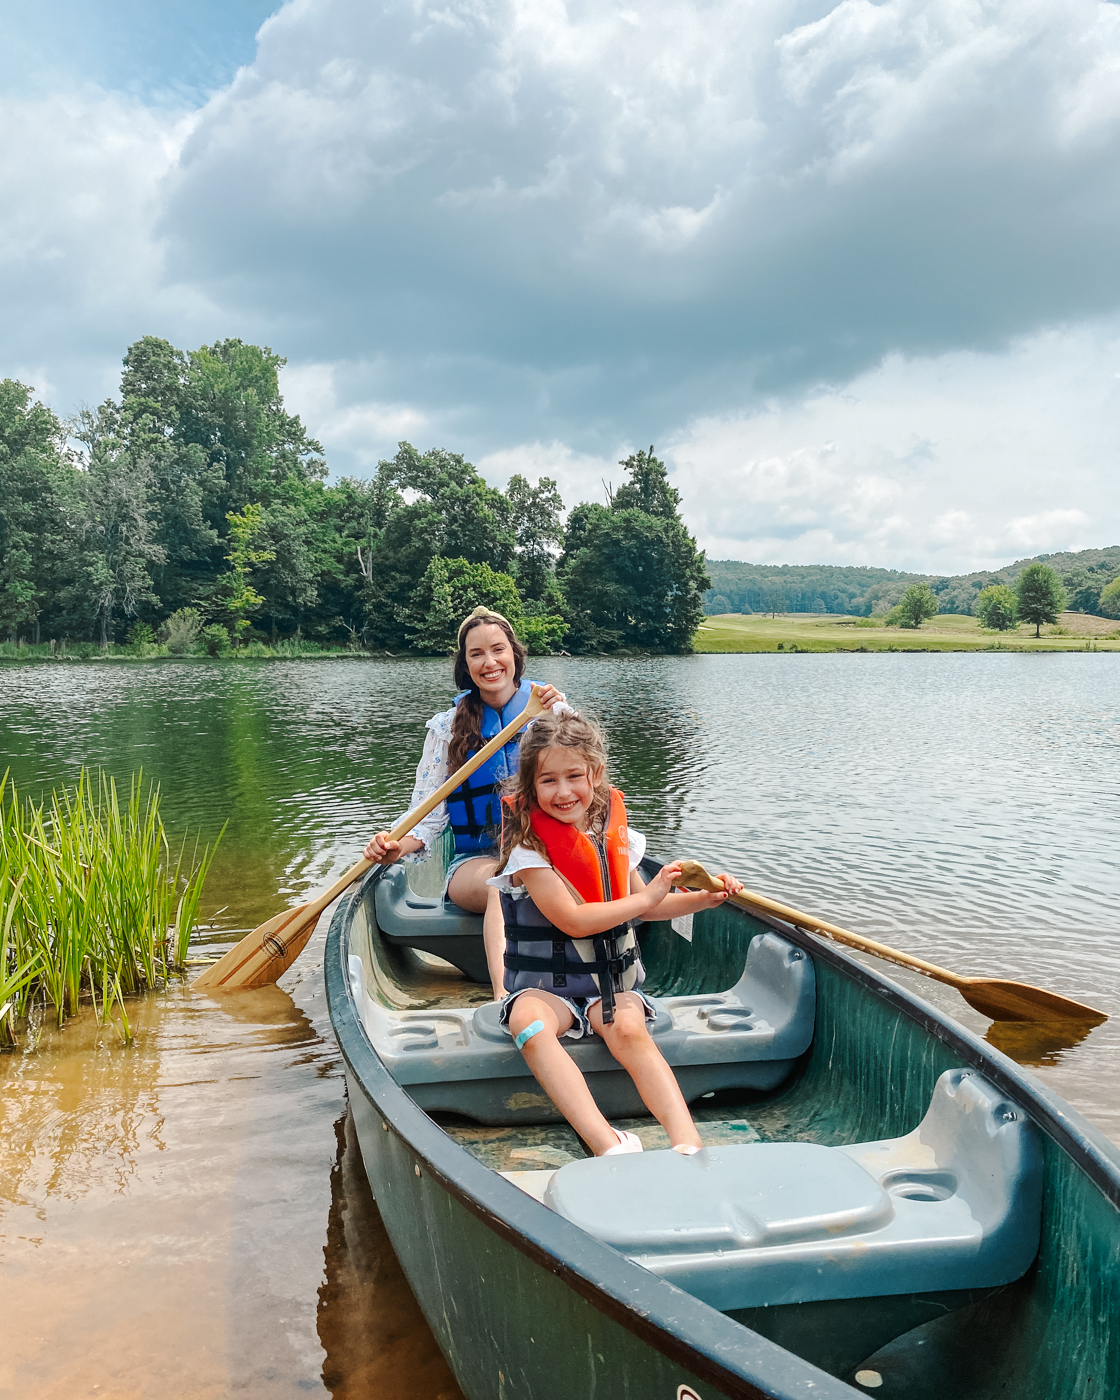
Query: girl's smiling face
(565, 785)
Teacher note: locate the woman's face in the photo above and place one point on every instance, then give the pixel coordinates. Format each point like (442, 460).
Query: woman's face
(491, 662)
(564, 786)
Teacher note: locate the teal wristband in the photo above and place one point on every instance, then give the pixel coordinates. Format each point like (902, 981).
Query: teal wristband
(528, 1033)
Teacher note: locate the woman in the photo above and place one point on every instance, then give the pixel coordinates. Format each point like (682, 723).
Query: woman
(488, 672)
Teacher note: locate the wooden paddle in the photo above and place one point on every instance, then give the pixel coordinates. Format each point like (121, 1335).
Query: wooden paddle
(992, 997)
(263, 955)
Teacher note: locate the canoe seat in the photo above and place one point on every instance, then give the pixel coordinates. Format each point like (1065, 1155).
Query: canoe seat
(432, 923)
(954, 1204)
(462, 1061)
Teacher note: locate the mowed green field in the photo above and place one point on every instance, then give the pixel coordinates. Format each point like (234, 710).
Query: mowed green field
(947, 632)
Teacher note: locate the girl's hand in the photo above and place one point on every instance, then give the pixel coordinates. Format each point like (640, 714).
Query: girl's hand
(713, 897)
(662, 883)
(549, 696)
(381, 850)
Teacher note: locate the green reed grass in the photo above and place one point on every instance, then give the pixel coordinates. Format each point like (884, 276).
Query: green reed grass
(92, 900)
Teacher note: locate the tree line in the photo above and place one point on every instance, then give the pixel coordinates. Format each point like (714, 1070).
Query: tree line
(1088, 578)
(193, 508)
(1039, 596)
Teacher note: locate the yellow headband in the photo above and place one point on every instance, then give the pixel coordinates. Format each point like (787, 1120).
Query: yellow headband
(480, 612)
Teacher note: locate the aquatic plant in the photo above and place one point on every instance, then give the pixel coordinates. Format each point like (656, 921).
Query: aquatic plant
(92, 900)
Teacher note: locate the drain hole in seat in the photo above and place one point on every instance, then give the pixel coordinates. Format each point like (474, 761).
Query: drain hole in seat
(920, 1185)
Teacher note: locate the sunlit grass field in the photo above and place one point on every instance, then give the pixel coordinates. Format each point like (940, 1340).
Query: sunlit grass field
(736, 632)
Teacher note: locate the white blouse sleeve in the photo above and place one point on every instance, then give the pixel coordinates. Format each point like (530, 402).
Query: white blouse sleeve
(432, 772)
(520, 858)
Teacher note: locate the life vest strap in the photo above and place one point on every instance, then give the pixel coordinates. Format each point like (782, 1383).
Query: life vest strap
(608, 966)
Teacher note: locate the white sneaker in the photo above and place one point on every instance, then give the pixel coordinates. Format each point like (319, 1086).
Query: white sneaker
(627, 1142)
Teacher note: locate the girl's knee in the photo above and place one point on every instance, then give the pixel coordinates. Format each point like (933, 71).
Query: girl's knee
(629, 1025)
(529, 1011)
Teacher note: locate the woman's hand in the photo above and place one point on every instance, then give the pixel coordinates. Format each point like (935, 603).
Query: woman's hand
(549, 696)
(383, 851)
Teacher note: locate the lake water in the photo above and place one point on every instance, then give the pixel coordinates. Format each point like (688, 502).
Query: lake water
(186, 1215)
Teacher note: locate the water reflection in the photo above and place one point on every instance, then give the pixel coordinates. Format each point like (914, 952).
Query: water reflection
(370, 1325)
(164, 1208)
(1036, 1043)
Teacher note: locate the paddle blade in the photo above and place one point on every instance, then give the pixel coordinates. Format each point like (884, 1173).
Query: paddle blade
(263, 955)
(1015, 1001)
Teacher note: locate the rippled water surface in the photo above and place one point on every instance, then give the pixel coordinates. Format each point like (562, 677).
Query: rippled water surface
(186, 1216)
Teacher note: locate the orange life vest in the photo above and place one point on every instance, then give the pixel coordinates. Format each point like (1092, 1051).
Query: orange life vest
(574, 854)
(538, 954)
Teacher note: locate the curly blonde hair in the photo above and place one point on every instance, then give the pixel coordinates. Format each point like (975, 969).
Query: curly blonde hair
(575, 732)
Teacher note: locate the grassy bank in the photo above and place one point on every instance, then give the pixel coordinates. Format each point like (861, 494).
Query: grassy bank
(735, 632)
(156, 651)
(93, 902)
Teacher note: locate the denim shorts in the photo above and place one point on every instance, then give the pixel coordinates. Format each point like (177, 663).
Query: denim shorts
(578, 1006)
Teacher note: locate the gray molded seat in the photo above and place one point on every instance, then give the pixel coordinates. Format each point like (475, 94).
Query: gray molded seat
(431, 923)
(463, 1061)
(955, 1204)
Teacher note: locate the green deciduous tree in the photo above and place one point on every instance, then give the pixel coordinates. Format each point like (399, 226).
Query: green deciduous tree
(996, 607)
(237, 594)
(918, 603)
(536, 523)
(37, 481)
(118, 523)
(632, 573)
(448, 591)
(1040, 596)
(1109, 599)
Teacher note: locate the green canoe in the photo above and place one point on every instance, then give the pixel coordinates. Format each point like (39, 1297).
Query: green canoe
(1008, 1285)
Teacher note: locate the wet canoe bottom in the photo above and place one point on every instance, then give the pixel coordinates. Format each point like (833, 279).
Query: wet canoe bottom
(837, 1335)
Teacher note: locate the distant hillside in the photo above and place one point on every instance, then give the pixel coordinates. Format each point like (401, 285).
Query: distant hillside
(835, 588)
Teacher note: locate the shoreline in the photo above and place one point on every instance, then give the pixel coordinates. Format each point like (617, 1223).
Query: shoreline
(738, 633)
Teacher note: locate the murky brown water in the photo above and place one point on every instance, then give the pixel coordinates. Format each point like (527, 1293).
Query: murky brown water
(186, 1215)
(189, 1215)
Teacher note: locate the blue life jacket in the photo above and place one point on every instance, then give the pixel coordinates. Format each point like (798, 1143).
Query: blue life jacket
(475, 806)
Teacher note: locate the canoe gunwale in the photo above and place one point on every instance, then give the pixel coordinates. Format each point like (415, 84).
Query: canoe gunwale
(1086, 1146)
(719, 1350)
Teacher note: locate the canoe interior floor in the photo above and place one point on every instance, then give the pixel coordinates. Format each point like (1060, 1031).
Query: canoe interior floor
(722, 1118)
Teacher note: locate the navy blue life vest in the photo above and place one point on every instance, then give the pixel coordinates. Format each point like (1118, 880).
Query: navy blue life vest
(475, 806)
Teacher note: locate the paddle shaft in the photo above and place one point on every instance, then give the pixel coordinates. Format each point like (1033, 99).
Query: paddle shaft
(444, 791)
(993, 997)
(853, 940)
(263, 955)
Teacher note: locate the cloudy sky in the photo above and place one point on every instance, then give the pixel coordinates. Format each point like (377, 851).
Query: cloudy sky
(852, 267)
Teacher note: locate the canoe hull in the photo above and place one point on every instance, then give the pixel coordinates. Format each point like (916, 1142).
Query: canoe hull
(523, 1304)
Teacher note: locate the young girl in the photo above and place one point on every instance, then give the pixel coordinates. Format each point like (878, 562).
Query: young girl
(570, 895)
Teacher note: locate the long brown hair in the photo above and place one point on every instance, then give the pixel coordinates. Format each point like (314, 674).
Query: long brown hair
(466, 727)
(583, 737)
